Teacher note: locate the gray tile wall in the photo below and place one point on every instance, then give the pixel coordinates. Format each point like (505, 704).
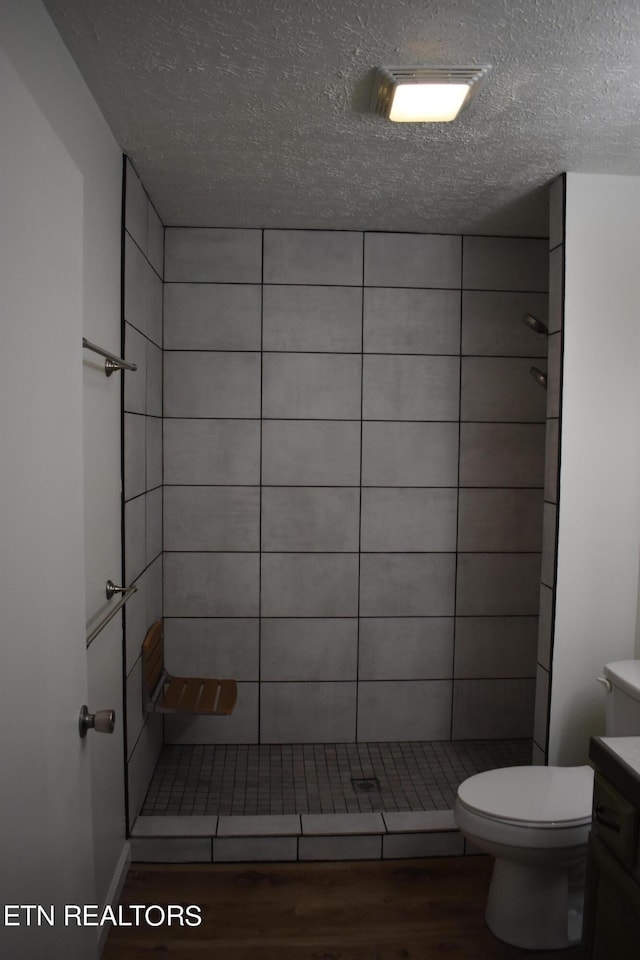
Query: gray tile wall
(143, 296)
(552, 461)
(354, 470)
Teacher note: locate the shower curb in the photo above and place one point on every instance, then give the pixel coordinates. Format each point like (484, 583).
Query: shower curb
(298, 837)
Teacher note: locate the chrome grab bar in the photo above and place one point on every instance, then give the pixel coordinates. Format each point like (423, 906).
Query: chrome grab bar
(126, 593)
(112, 362)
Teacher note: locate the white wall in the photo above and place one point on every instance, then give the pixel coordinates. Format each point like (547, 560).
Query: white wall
(599, 531)
(47, 70)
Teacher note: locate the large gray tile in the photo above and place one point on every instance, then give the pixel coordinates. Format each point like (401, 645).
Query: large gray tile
(312, 318)
(211, 584)
(135, 541)
(397, 519)
(308, 649)
(197, 647)
(211, 518)
(400, 320)
(492, 323)
(154, 380)
(241, 726)
(155, 240)
(211, 384)
(493, 709)
(194, 255)
(554, 375)
(410, 388)
(136, 621)
(541, 708)
(306, 452)
(410, 454)
(135, 445)
(412, 260)
(545, 626)
(142, 293)
(212, 316)
(407, 584)
(307, 712)
(155, 286)
(498, 584)
(136, 203)
(556, 289)
(175, 826)
(405, 648)
(211, 451)
(135, 381)
(310, 518)
(556, 211)
(403, 846)
(340, 848)
(538, 756)
(420, 821)
(404, 710)
(549, 539)
(500, 520)
(313, 256)
(287, 825)
(142, 764)
(307, 386)
(254, 849)
(153, 427)
(501, 388)
(341, 824)
(153, 507)
(134, 713)
(153, 589)
(505, 263)
(309, 585)
(495, 647)
(502, 454)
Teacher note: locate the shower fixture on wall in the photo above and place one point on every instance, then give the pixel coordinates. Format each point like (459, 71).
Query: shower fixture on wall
(539, 376)
(536, 325)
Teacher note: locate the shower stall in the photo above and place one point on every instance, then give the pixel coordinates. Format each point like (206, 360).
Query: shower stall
(334, 476)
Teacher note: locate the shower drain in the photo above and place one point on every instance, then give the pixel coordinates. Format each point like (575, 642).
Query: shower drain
(365, 784)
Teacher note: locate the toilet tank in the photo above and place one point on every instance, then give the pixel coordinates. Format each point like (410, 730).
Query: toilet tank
(622, 703)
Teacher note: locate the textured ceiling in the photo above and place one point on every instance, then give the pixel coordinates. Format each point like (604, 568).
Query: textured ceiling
(256, 112)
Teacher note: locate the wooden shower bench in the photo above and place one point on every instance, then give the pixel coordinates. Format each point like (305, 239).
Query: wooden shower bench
(163, 693)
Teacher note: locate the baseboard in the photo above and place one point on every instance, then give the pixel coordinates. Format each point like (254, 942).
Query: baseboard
(115, 889)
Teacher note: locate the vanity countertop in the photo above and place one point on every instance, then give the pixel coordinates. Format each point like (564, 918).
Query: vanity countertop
(618, 758)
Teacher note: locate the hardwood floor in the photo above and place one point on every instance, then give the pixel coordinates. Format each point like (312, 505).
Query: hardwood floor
(380, 910)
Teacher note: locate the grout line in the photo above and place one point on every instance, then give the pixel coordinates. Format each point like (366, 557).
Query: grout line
(360, 492)
(259, 731)
(390, 421)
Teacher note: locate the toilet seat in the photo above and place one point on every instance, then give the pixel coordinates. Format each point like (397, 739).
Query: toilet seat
(534, 798)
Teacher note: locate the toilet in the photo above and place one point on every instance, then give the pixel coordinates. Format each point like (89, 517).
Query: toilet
(535, 821)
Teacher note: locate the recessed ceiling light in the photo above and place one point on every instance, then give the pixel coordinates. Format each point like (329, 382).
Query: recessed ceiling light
(425, 94)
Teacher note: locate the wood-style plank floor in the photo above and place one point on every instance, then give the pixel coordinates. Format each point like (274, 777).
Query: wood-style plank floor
(382, 910)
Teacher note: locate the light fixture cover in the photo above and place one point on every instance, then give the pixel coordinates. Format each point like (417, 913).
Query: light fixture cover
(425, 94)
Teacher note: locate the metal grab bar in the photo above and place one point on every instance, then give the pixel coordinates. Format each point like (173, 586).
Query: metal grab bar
(112, 362)
(108, 617)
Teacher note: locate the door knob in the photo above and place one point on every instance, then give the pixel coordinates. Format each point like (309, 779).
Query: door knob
(103, 721)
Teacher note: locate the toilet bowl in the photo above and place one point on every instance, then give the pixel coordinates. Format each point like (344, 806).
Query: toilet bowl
(535, 821)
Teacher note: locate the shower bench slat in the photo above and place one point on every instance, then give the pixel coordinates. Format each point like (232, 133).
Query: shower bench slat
(163, 693)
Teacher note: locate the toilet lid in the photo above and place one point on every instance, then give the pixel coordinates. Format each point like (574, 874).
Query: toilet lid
(537, 796)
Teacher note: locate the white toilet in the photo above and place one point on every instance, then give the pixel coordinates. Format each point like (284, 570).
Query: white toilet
(535, 821)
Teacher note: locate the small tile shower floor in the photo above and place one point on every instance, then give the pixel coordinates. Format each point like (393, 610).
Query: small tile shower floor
(254, 779)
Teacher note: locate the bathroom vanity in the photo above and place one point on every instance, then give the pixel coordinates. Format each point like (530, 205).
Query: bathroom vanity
(611, 929)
